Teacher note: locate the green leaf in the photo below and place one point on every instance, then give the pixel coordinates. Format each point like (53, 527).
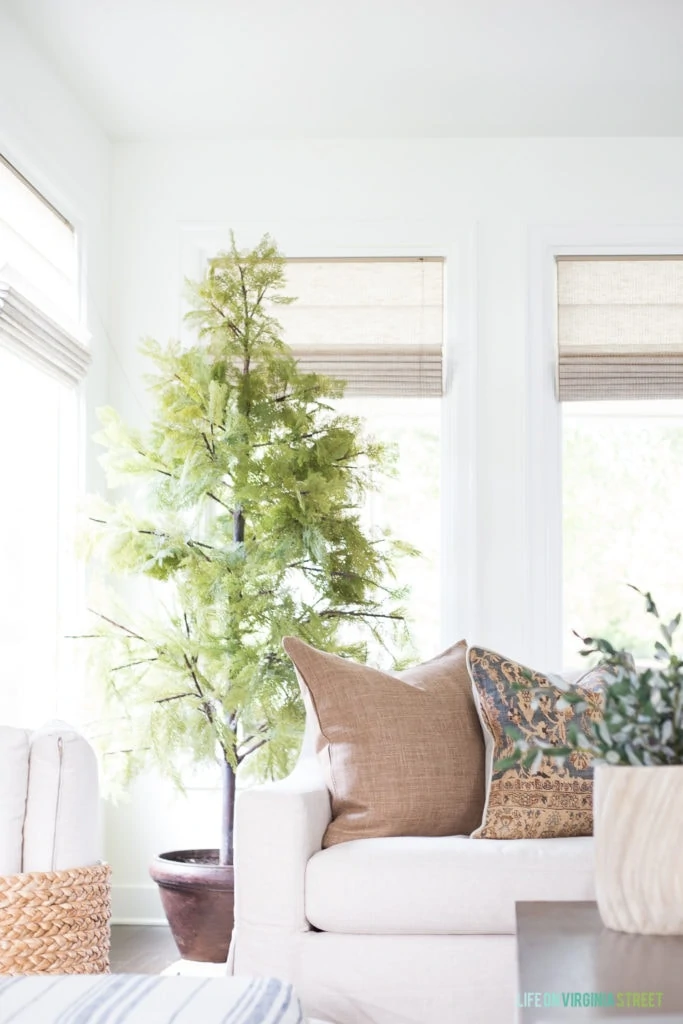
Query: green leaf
(603, 732)
(503, 764)
(513, 731)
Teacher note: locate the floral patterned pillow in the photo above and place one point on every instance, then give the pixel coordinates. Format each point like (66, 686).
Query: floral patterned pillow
(557, 798)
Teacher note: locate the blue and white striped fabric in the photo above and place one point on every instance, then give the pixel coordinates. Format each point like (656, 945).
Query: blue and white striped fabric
(146, 999)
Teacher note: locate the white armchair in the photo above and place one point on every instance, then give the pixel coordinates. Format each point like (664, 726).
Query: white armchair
(54, 892)
(49, 802)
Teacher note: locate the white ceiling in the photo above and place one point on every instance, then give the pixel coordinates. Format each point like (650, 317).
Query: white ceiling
(367, 68)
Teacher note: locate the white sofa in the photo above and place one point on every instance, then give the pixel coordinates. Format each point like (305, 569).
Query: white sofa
(49, 803)
(387, 931)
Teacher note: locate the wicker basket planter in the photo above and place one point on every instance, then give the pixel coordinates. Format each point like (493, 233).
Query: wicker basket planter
(55, 922)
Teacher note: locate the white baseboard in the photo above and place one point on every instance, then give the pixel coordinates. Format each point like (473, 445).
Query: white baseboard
(195, 969)
(152, 922)
(136, 904)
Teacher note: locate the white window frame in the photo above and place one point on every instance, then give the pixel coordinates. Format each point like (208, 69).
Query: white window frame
(457, 245)
(544, 623)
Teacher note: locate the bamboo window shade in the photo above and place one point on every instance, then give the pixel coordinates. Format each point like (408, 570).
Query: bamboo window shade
(38, 281)
(376, 323)
(620, 327)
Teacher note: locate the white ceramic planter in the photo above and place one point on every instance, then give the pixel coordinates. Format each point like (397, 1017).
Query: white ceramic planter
(639, 848)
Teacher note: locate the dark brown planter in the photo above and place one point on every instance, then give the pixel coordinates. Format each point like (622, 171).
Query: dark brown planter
(198, 897)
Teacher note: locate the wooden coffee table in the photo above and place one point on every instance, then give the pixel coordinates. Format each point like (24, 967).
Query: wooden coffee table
(571, 968)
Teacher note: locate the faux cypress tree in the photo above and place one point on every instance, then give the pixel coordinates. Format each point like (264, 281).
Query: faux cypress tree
(246, 513)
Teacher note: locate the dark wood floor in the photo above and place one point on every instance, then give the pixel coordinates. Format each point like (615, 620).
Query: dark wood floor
(141, 949)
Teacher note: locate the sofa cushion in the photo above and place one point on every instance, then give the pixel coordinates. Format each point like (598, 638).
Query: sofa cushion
(402, 753)
(62, 808)
(441, 885)
(13, 785)
(555, 798)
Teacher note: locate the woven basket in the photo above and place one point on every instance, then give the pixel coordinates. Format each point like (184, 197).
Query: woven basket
(55, 922)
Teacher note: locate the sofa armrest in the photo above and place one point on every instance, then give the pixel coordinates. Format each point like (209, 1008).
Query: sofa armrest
(278, 827)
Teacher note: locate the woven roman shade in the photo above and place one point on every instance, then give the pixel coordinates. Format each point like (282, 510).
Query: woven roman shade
(375, 323)
(38, 281)
(36, 338)
(37, 242)
(620, 328)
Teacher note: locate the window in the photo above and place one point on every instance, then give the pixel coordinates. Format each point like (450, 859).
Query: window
(620, 336)
(42, 360)
(409, 503)
(378, 325)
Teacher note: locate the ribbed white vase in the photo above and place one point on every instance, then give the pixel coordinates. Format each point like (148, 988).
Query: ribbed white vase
(638, 828)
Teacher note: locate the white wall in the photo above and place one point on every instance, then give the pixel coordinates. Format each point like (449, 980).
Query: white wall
(481, 202)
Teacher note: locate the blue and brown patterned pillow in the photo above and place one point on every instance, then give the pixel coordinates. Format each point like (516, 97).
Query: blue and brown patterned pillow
(556, 799)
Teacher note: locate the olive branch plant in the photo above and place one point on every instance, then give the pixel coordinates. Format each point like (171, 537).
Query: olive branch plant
(642, 706)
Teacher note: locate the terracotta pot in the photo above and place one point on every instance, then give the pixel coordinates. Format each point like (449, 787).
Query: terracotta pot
(198, 898)
(638, 814)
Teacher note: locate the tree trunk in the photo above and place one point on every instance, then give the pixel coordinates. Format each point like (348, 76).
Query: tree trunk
(226, 853)
(238, 526)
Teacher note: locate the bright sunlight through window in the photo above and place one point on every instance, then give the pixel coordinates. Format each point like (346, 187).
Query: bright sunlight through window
(623, 509)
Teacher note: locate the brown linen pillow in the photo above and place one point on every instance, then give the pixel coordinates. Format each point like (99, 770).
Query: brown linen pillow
(556, 800)
(403, 753)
